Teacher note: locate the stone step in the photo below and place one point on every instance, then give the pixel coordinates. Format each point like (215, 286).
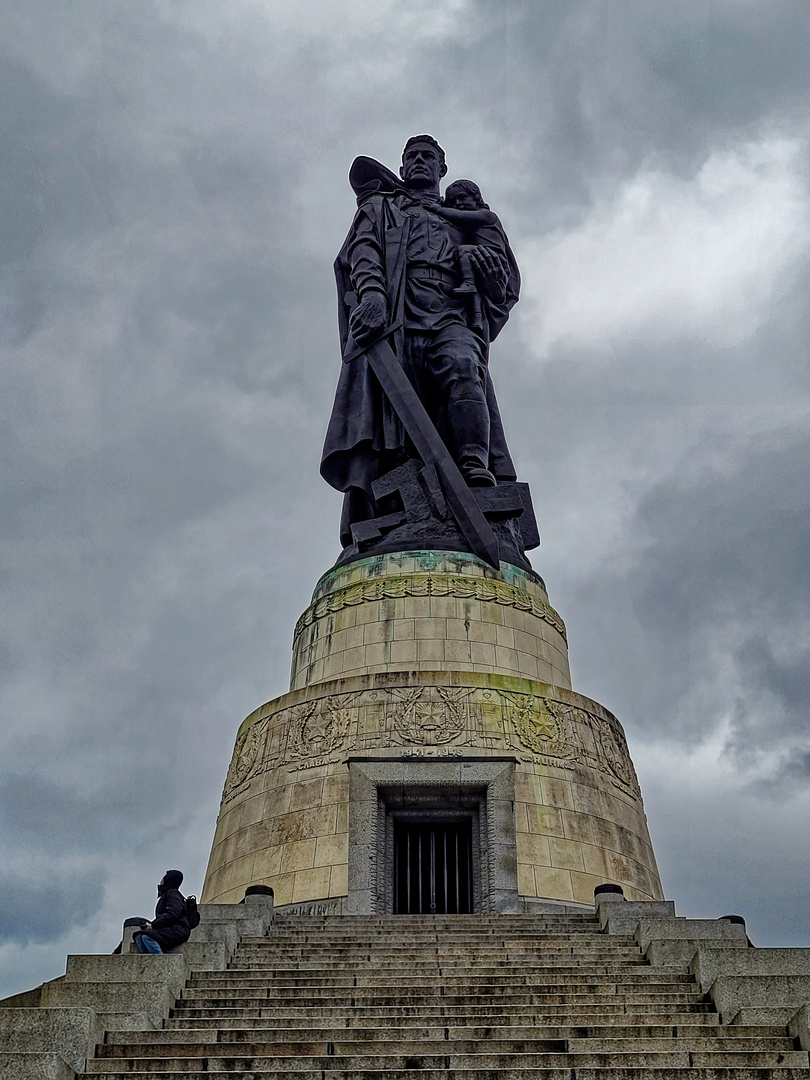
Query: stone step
(495, 962)
(635, 972)
(765, 1037)
(678, 1059)
(236, 979)
(602, 1012)
(521, 1073)
(397, 923)
(307, 1044)
(375, 990)
(520, 948)
(469, 1002)
(402, 955)
(420, 929)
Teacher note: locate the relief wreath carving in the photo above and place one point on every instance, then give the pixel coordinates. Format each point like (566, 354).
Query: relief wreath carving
(429, 716)
(247, 757)
(541, 729)
(614, 756)
(319, 728)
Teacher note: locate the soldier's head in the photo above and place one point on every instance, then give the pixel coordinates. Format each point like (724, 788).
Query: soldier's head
(423, 163)
(464, 195)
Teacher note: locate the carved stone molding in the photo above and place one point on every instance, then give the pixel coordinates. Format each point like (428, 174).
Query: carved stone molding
(394, 588)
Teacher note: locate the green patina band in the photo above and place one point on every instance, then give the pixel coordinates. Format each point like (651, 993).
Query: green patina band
(395, 588)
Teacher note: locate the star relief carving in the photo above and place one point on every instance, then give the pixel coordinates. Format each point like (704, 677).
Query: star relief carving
(429, 717)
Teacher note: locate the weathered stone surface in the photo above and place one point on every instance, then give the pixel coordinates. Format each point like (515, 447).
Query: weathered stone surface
(730, 993)
(481, 995)
(153, 998)
(169, 970)
(673, 929)
(34, 1066)
(709, 963)
(799, 1027)
(678, 952)
(623, 916)
(205, 955)
(457, 613)
(70, 1033)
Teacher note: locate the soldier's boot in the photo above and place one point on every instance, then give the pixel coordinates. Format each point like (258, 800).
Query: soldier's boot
(469, 428)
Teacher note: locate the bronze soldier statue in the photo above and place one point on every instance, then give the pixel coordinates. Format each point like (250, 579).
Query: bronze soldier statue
(399, 273)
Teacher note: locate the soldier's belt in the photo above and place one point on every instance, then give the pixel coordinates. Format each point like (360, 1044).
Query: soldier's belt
(432, 273)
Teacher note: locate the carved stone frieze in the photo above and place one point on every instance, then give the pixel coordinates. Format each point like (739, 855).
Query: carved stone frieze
(556, 730)
(467, 588)
(248, 758)
(430, 721)
(319, 728)
(429, 716)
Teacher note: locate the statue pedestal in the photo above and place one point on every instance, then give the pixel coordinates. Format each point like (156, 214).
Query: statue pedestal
(430, 702)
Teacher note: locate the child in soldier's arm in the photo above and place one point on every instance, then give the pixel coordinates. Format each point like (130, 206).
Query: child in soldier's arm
(464, 208)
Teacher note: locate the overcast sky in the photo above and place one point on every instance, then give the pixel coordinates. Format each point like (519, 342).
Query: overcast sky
(174, 193)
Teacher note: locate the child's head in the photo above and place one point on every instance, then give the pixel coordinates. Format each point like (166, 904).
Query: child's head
(464, 195)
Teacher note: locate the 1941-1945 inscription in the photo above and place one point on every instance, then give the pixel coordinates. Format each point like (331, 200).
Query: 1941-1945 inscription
(415, 440)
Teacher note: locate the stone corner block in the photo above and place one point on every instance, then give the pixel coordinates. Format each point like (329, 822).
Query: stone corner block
(73, 1033)
(799, 1027)
(622, 916)
(711, 961)
(205, 955)
(34, 1066)
(713, 931)
(731, 993)
(169, 969)
(151, 997)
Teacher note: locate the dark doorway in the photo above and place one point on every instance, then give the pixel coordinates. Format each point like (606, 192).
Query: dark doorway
(433, 867)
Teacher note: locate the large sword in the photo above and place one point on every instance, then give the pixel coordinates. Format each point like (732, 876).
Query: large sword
(429, 444)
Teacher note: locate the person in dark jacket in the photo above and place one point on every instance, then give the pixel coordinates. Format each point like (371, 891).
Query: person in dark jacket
(170, 924)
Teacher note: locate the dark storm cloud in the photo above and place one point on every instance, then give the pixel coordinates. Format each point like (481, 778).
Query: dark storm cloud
(174, 194)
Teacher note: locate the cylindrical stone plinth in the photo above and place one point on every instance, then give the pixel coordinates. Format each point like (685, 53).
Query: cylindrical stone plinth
(429, 611)
(428, 684)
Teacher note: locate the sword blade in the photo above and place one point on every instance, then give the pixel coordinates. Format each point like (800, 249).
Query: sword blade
(430, 446)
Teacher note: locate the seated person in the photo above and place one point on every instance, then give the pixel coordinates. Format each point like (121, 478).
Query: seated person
(169, 927)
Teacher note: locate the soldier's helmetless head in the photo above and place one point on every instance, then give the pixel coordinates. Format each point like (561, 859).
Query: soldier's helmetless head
(464, 195)
(423, 163)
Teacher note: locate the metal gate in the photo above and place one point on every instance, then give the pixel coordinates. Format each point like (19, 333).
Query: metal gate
(433, 868)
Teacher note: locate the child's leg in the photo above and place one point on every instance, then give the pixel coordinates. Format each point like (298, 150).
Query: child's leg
(466, 269)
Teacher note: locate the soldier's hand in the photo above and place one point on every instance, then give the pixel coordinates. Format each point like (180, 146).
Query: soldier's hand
(368, 318)
(492, 271)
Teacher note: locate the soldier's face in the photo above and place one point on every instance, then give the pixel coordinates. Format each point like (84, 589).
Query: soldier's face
(421, 166)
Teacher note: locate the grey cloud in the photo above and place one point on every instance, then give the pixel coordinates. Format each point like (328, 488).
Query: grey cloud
(41, 908)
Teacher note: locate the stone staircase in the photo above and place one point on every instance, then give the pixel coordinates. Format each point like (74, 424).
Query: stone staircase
(558, 996)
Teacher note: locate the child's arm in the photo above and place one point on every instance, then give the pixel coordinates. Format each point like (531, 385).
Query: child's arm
(464, 218)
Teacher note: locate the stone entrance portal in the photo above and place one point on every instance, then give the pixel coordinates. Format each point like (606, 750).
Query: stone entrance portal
(432, 837)
(433, 867)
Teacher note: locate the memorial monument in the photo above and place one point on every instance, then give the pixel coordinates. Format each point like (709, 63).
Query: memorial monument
(431, 755)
